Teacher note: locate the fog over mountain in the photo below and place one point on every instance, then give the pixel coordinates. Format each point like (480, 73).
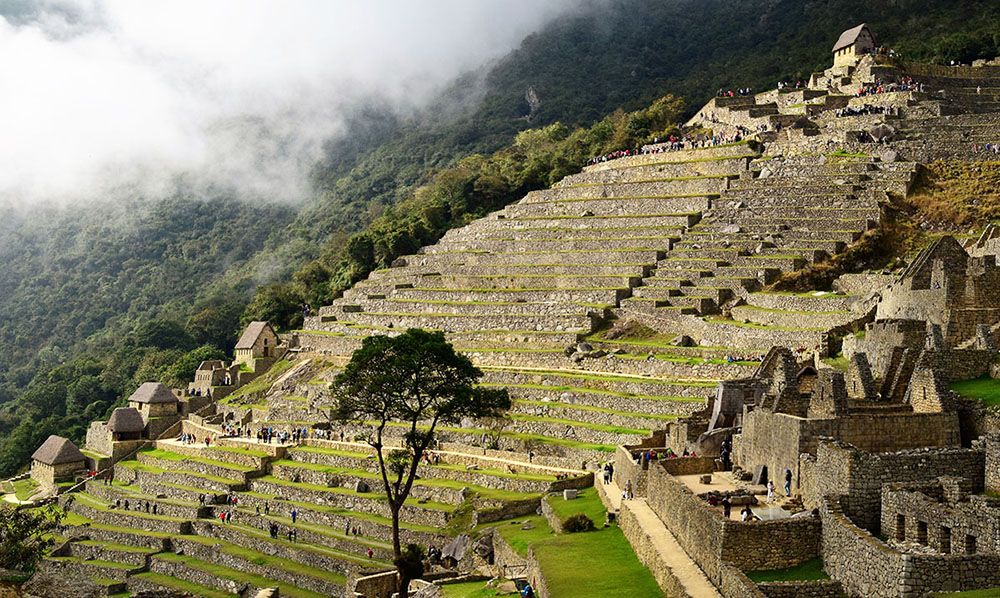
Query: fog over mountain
(99, 97)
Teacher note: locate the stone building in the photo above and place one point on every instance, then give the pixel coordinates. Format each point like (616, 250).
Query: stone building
(57, 460)
(215, 379)
(852, 45)
(153, 399)
(258, 347)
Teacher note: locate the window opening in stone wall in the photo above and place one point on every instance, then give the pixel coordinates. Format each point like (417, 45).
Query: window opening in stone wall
(900, 527)
(970, 545)
(945, 540)
(922, 533)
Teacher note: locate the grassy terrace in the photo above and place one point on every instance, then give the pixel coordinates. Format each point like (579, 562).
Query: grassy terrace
(222, 572)
(135, 465)
(608, 216)
(586, 446)
(262, 383)
(620, 198)
(986, 390)
(834, 312)
(987, 593)
(336, 491)
(724, 322)
(330, 532)
(473, 589)
(483, 491)
(171, 456)
(807, 571)
(593, 564)
(591, 409)
(181, 585)
(23, 489)
(100, 505)
(579, 424)
(583, 375)
(597, 391)
(701, 177)
(536, 477)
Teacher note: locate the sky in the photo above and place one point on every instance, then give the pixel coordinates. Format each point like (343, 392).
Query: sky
(101, 97)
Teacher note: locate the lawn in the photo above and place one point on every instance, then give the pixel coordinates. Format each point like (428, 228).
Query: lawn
(807, 571)
(989, 593)
(586, 564)
(473, 589)
(25, 488)
(986, 390)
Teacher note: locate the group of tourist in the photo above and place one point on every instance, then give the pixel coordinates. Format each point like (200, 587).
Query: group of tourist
(140, 506)
(879, 86)
(674, 143)
(988, 148)
(866, 110)
(609, 472)
(185, 438)
(783, 85)
(742, 92)
(644, 457)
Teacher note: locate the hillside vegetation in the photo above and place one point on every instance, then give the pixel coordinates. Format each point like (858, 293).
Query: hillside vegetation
(94, 301)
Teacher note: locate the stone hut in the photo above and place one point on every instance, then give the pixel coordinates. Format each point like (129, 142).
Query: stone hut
(259, 343)
(153, 399)
(212, 374)
(126, 423)
(57, 460)
(852, 45)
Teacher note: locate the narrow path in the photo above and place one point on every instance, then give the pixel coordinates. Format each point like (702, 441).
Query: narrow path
(695, 583)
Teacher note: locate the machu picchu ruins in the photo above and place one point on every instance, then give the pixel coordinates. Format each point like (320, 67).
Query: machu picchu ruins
(698, 354)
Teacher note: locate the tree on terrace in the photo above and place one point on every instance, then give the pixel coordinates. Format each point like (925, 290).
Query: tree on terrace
(414, 381)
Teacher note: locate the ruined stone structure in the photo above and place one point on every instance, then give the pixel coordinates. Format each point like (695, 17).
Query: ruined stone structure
(628, 311)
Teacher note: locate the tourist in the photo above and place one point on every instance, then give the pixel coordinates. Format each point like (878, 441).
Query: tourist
(628, 490)
(371, 553)
(770, 490)
(295, 516)
(156, 508)
(347, 528)
(788, 482)
(727, 507)
(527, 592)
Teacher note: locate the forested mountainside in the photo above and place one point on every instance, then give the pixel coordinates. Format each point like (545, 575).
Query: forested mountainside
(94, 301)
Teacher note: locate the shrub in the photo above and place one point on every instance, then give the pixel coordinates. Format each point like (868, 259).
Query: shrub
(578, 523)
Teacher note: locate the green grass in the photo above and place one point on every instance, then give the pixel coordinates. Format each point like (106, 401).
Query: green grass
(286, 589)
(579, 424)
(25, 488)
(724, 322)
(503, 495)
(587, 502)
(261, 383)
(838, 363)
(593, 564)
(182, 585)
(521, 539)
(807, 571)
(597, 391)
(171, 456)
(576, 407)
(986, 390)
(473, 589)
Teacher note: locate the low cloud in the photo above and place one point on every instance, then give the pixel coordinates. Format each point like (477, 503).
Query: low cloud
(99, 97)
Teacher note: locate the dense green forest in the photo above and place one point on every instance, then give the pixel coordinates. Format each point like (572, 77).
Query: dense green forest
(95, 301)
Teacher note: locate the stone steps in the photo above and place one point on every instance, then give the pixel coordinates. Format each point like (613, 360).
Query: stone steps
(652, 187)
(510, 282)
(452, 321)
(652, 218)
(592, 296)
(510, 308)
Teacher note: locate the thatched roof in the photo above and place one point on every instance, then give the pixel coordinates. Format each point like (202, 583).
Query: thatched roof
(252, 333)
(850, 36)
(58, 450)
(153, 392)
(126, 420)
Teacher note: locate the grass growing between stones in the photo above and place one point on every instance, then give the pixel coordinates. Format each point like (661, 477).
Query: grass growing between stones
(473, 589)
(986, 390)
(807, 571)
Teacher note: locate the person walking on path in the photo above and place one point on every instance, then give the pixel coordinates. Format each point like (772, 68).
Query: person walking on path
(788, 482)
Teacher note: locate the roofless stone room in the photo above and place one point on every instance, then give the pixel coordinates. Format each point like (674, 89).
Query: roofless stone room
(500, 299)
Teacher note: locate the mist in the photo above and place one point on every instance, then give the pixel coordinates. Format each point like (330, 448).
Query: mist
(106, 97)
